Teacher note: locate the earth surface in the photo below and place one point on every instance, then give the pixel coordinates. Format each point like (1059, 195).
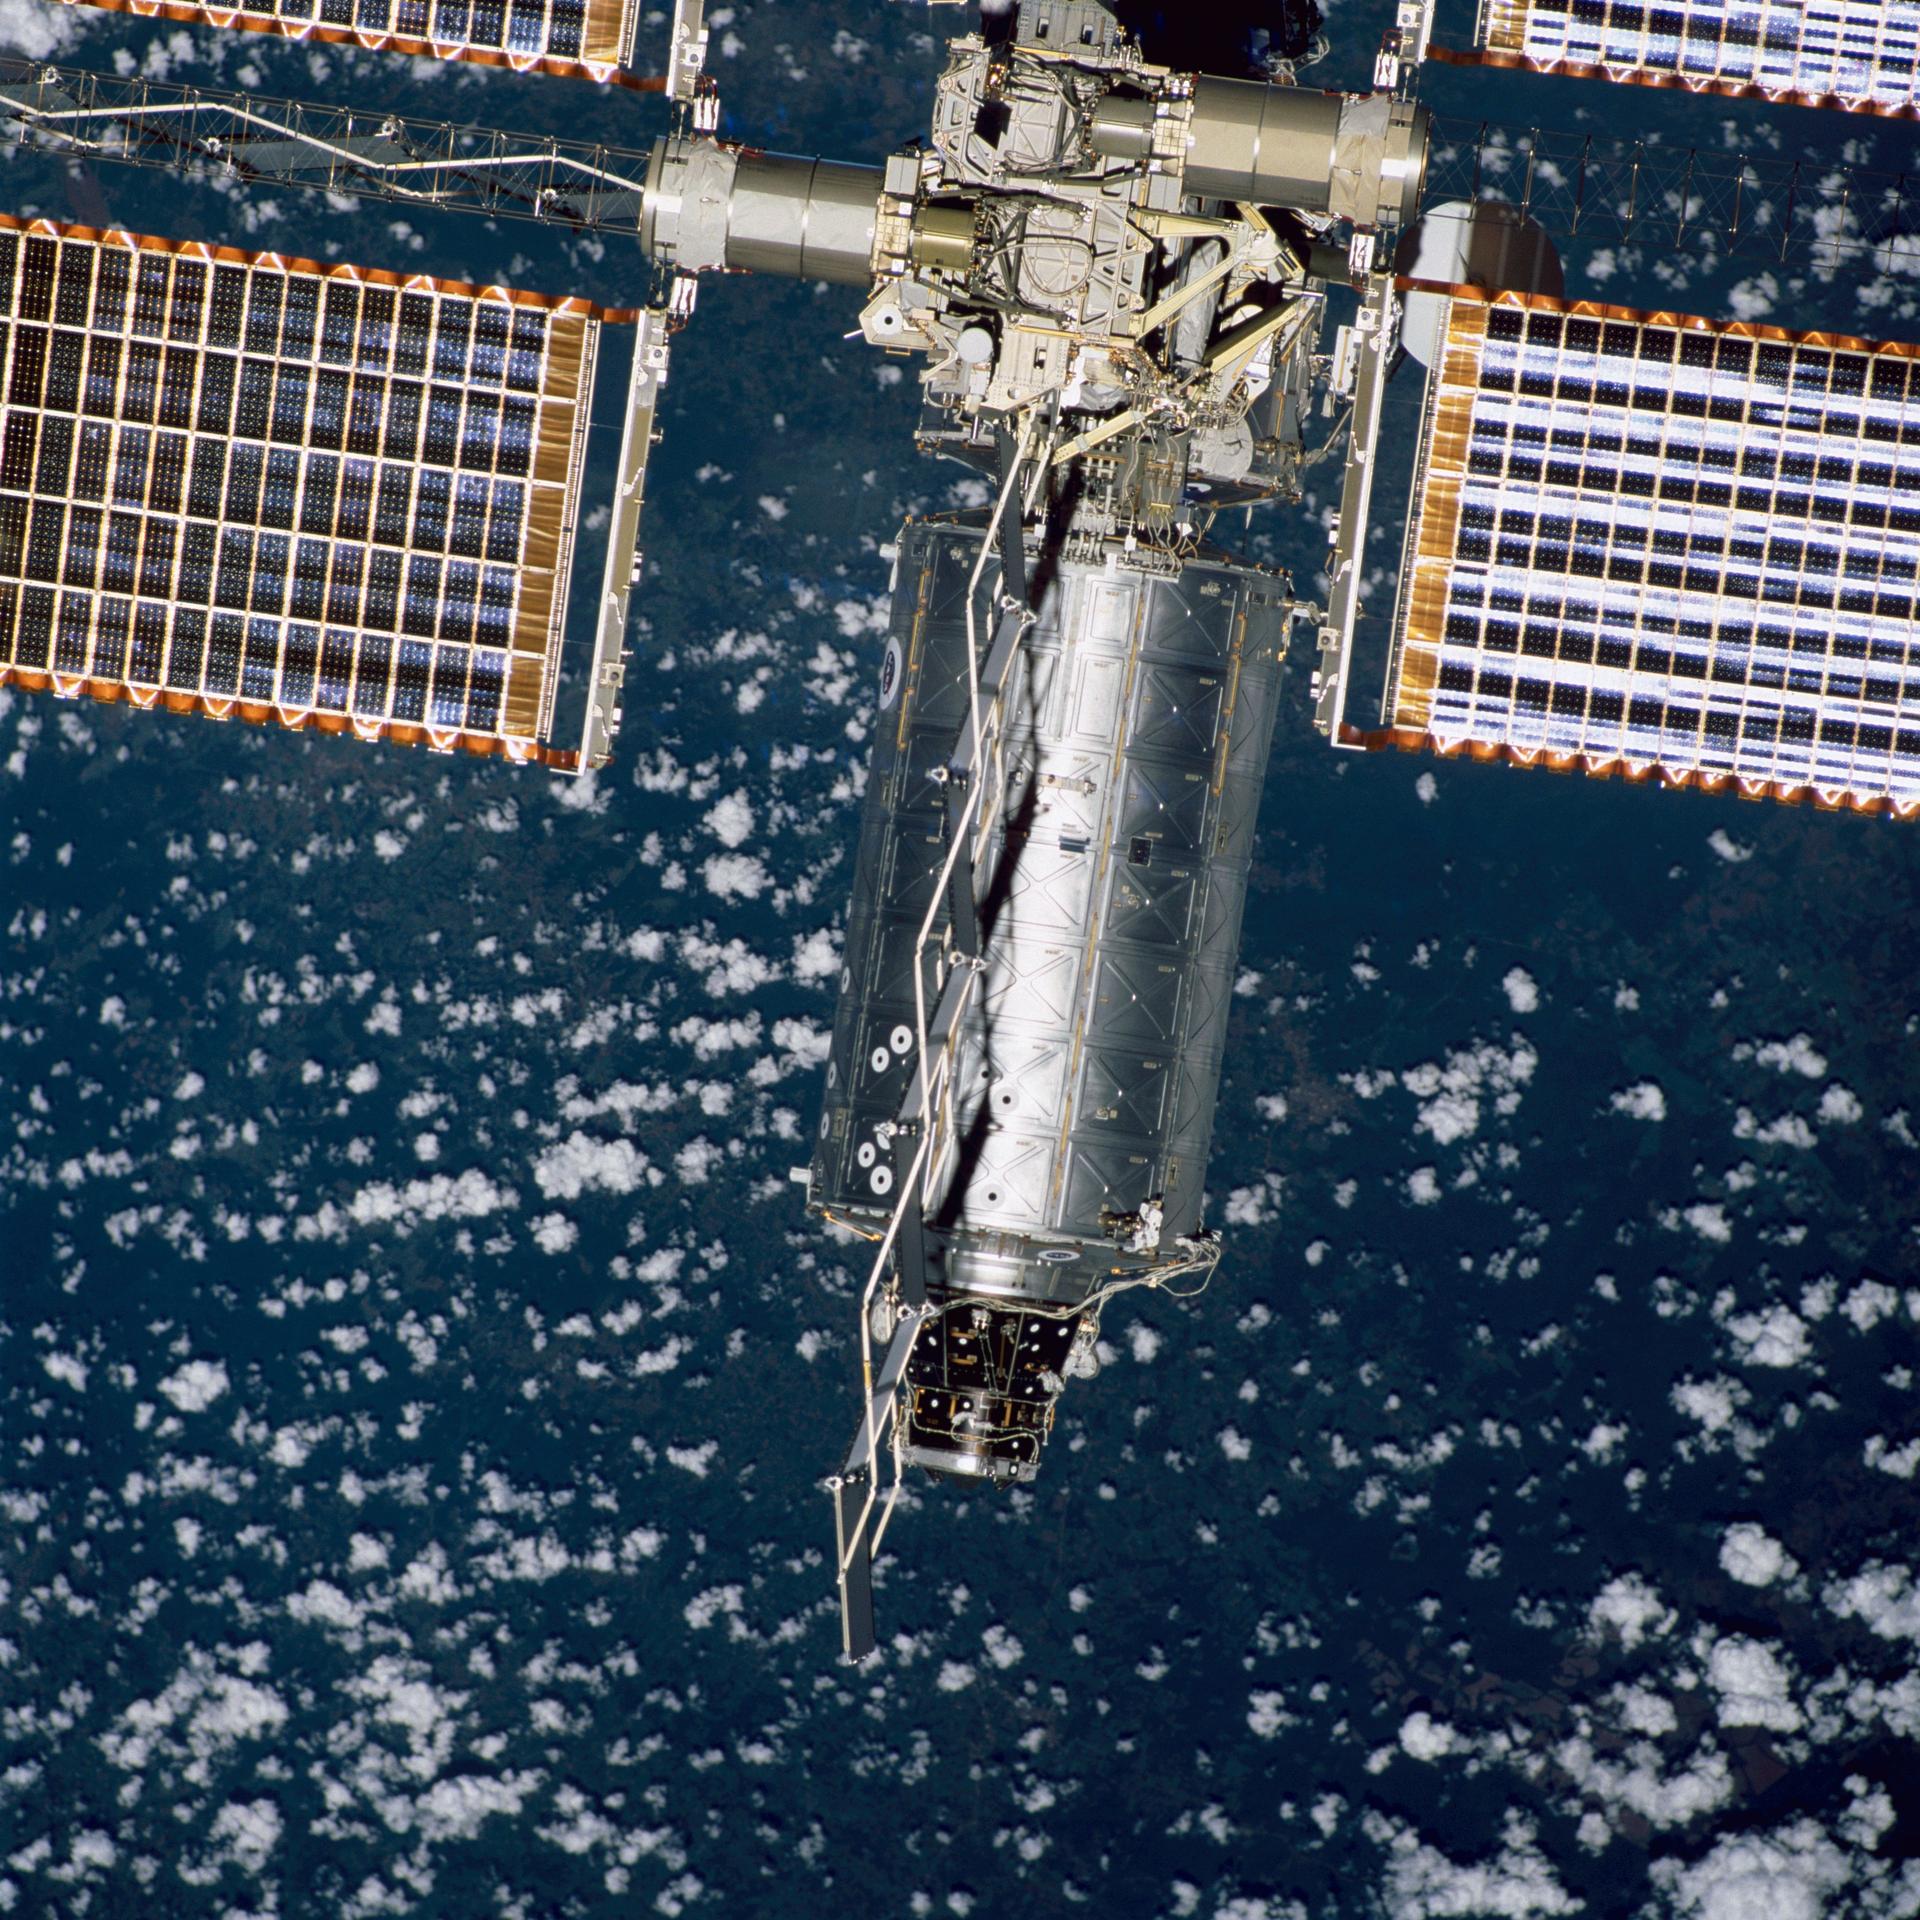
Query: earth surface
(417, 1375)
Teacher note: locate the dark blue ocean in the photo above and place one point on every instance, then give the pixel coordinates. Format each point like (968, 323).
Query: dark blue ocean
(417, 1374)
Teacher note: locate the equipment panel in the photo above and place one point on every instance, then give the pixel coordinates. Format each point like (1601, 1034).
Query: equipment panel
(1653, 541)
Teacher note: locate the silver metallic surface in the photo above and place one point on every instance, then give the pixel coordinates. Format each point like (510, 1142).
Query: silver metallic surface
(1356, 157)
(1142, 712)
(813, 219)
(1363, 368)
(608, 671)
(1122, 126)
(710, 206)
(1272, 146)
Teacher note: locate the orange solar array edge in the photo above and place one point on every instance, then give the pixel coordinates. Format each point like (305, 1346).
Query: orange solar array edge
(603, 52)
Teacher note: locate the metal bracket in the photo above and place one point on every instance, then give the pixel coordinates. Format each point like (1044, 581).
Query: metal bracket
(624, 564)
(860, 1520)
(687, 52)
(1374, 336)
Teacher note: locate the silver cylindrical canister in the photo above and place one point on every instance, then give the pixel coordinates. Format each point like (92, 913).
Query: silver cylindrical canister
(1142, 708)
(813, 219)
(1359, 157)
(1271, 146)
(709, 206)
(1122, 126)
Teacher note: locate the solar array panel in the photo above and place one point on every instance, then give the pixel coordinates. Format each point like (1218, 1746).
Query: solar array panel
(1651, 542)
(1860, 54)
(233, 483)
(590, 38)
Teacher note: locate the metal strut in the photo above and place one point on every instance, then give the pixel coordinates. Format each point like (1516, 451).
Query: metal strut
(347, 150)
(923, 1134)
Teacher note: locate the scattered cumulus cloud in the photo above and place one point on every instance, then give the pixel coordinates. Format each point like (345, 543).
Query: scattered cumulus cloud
(194, 1387)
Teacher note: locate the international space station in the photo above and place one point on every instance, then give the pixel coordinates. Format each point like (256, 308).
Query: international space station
(350, 500)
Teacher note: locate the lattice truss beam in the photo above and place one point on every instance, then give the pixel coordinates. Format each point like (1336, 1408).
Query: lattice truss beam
(1862, 55)
(1648, 542)
(236, 484)
(592, 39)
(339, 150)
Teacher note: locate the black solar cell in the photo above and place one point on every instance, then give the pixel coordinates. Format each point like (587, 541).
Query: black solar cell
(1812, 535)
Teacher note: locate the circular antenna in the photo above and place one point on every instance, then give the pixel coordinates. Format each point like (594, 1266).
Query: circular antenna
(1483, 243)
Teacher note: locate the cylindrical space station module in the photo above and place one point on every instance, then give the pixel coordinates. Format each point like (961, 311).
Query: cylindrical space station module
(1138, 722)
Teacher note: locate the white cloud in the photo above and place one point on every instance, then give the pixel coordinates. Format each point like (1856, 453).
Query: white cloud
(1425, 1738)
(1453, 1094)
(1885, 1598)
(736, 876)
(1776, 1337)
(1798, 1055)
(1867, 1304)
(1789, 1874)
(1711, 1402)
(1267, 1714)
(705, 1608)
(816, 955)
(697, 1461)
(1637, 1781)
(1728, 848)
(471, 1195)
(695, 1162)
(1755, 298)
(1903, 1462)
(580, 1164)
(196, 1386)
(730, 819)
(1002, 1647)
(1749, 1554)
(457, 1807)
(214, 1701)
(68, 1368)
(1752, 1686)
(729, 967)
(1630, 1607)
(35, 30)
(1644, 1711)
(1644, 1101)
(1709, 1220)
(1421, 1883)
(553, 1232)
(1523, 996)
